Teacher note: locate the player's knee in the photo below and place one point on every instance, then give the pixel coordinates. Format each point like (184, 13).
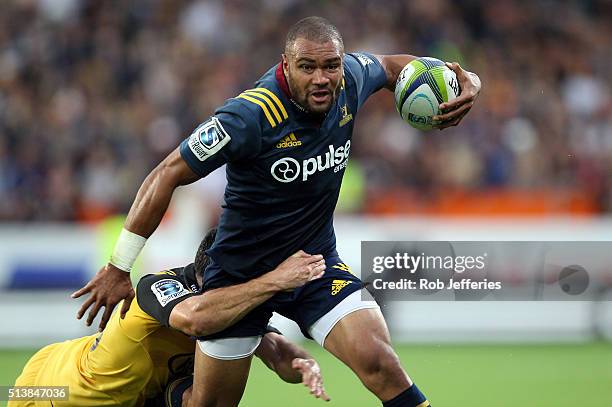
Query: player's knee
(381, 368)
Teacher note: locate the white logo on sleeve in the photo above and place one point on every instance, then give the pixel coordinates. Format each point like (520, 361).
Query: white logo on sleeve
(167, 290)
(364, 59)
(208, 138)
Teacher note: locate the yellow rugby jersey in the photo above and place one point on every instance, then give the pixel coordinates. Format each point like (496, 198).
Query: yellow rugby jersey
(131, 360)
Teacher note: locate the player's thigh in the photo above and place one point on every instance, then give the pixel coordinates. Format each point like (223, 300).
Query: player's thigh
(223, 360)
(360, 329)
(221, 382)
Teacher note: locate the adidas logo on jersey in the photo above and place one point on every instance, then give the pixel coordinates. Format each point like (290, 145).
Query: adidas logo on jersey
(338, 285)
(289, 141)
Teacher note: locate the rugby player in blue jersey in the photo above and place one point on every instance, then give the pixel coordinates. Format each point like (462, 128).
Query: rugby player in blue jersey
(286, 143)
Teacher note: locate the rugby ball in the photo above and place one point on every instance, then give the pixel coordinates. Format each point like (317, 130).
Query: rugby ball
(421, 87)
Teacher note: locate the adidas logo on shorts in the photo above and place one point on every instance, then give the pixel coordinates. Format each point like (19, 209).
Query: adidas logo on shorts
(289, 141)
(338, 285)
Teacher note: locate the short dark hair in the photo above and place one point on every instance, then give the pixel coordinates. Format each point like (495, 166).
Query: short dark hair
(317, 29)
(202, 260)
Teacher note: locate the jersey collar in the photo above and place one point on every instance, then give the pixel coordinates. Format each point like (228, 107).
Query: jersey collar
(282, 82)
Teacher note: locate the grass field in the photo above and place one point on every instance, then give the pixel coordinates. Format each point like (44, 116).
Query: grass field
(462, 375)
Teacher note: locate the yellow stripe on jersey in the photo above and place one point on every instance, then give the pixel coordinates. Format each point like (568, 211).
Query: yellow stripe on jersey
(260, 104)
(268, 102)
(274, 98)
(168, 272)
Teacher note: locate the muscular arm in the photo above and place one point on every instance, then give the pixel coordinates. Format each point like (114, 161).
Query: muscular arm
(155, 193)
(218, 309)
(111, 284)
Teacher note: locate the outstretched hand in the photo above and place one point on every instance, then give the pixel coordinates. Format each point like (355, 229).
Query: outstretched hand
(109, 286)
(311, 376)
(455, 110)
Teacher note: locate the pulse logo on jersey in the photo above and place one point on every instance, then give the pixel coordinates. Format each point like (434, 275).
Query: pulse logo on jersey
(167, 290)
(208, 138)
(288, 169)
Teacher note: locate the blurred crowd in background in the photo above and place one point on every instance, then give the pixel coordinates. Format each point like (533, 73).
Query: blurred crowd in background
(93, 94)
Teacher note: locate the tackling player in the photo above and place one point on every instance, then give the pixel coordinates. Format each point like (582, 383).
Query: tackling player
(134, 357)
(286, 143)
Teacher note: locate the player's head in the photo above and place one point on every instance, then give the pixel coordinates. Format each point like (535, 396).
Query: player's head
(202, 260)
(312, 63)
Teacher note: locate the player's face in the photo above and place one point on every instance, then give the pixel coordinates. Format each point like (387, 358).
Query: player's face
(314, 73)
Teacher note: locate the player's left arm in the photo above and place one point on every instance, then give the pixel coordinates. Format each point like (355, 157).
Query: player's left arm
(453, 111)
(393, 65)
(291, 363)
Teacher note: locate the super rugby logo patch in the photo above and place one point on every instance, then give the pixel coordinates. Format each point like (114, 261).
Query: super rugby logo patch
(208, 138)
(167, 290)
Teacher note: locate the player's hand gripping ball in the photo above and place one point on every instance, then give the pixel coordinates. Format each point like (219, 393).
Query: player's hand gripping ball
(421, 87)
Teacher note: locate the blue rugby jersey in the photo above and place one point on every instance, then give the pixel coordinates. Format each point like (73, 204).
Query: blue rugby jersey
(283, 170)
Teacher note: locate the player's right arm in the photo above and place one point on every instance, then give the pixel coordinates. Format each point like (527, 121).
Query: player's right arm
(231, 134)
(112, 284)
(155, 193)
(218, 309)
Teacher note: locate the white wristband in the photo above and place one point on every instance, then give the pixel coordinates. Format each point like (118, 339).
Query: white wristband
(127, 249)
